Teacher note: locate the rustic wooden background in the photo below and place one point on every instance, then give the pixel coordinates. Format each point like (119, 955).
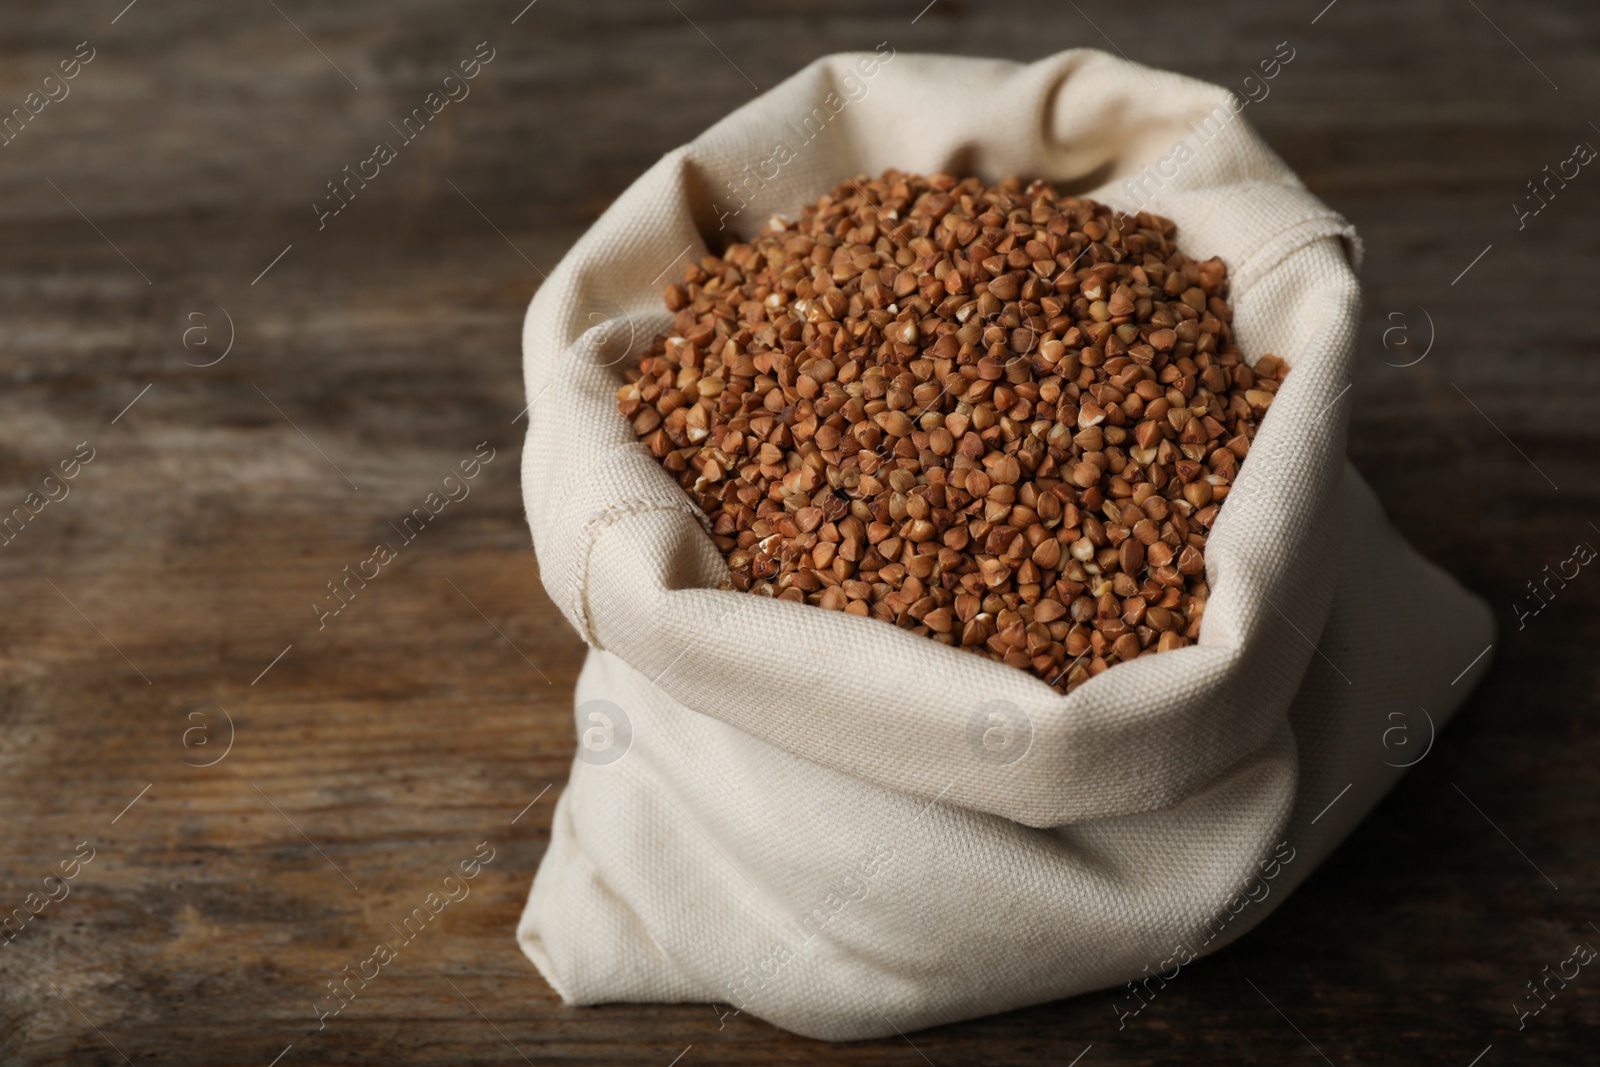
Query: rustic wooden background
(172, 588)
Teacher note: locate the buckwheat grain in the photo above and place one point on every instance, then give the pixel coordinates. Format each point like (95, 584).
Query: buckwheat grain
(996, 416)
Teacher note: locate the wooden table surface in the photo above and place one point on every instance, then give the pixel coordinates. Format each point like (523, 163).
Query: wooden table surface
(164, 605)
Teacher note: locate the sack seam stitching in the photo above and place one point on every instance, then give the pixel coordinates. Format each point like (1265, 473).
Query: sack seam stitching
(589, 533)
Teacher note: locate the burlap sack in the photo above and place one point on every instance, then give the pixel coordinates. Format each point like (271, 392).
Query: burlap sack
(848, 829)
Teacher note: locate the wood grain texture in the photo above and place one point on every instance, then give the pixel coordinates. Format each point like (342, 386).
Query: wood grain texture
(379, 351)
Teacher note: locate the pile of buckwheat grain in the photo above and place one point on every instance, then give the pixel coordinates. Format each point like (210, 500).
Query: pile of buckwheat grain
(996, 416)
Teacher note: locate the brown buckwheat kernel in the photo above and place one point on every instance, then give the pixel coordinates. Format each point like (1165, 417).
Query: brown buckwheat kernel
(995, 416)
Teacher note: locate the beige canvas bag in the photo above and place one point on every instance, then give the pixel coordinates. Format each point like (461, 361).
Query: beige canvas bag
(850, 830)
